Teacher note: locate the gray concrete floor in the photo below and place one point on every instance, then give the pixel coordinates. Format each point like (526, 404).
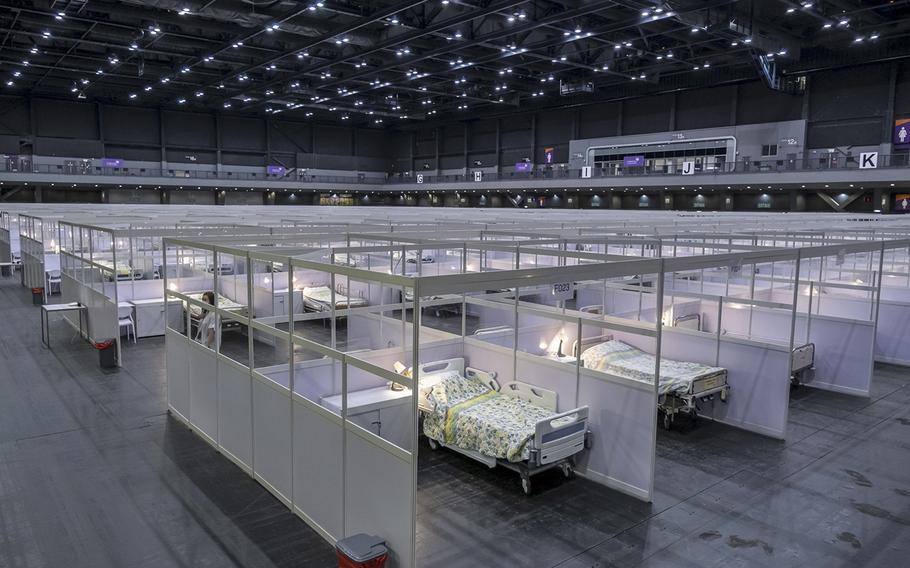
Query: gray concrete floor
(94, 473)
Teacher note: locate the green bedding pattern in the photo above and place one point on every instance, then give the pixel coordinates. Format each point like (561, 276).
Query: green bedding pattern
(468, 414)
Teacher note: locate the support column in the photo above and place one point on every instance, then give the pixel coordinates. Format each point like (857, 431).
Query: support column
(672, 122)
(888, 130)
(161, 138)
(797, 200)
(734, 107)
(467, 134)
(219, 196)
(165, 196)
(218, 144)
(666, 199)
(622, 108)
(38, 194)
(268, 198)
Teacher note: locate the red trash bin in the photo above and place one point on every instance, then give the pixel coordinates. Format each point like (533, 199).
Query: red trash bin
(361, 551)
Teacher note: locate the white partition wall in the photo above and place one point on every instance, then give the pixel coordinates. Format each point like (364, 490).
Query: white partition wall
(282, 399)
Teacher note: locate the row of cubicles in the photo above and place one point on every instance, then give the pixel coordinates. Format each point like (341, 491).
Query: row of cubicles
(297, 387)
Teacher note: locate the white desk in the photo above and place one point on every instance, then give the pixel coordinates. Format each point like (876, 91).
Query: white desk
(380, 410)
(58, 308)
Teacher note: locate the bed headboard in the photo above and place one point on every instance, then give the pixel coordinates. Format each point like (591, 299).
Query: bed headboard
(589, 342)
(491, 330)
(535, 395)
(456, 364)
(691, 321)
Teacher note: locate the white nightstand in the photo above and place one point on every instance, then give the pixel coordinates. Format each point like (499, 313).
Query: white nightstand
(380, 410)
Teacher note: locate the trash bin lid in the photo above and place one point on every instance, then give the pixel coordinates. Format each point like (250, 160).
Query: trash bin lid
(362, 547)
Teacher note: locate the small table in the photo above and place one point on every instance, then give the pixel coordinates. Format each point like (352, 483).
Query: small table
(58, 308)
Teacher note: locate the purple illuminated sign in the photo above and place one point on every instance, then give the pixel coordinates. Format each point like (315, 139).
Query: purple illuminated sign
(111, 163)
(523, 167)
(276, 170)
(902, 132)
(633, 161)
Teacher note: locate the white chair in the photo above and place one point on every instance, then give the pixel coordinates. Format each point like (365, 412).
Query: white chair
(53, 282)
(125, 319)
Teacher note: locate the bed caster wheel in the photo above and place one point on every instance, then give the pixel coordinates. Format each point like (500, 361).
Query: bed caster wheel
(526, 484)
(567, 470)
(433, 444)
(723, 395)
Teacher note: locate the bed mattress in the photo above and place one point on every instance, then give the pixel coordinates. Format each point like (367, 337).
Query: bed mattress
(468, 414)
(320, 298)
(223, 303)
(676, 377)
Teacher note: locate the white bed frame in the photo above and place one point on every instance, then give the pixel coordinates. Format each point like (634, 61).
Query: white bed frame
(671, 404)
(802, 364)
(557, 439)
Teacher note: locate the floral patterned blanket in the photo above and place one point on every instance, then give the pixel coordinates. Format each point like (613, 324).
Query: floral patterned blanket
(621, 359)
(468, 414)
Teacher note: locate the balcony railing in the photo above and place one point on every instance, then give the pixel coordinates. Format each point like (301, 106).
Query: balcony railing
(783, 165)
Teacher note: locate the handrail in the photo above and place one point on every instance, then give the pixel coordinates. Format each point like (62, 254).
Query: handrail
(80, 167)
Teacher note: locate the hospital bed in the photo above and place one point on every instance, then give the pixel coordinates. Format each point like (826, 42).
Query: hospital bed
(319, 299)
(514, 425)
(682, 384)
(197, 312)
(802, 364)
(122, 271)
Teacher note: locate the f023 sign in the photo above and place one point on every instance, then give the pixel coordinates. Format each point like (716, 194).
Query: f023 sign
(563, 291)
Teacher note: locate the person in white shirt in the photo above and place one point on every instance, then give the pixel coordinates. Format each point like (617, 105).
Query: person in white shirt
(206, 332)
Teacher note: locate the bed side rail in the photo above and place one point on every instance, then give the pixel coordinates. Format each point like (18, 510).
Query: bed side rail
(561, 435)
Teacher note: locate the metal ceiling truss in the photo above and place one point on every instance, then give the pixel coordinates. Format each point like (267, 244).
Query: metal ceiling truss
(398, 62)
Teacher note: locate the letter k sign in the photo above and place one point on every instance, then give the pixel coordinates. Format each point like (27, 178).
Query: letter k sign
(868, 160)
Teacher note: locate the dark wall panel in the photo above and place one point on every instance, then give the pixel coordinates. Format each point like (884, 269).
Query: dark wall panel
(554, 127)
(902, 93)
(333, 140)
(451, 162)
(242, 133)
(66, 119)
(132, 153)
(483, 135)
(125, 124)
(69, 148)
(704, 108)
(599, 120)
(14, 116)
(651, 114)
(515, 139)
(852, 132)
(242, 159)
(425, 142)
(189, 129)
(191, 156)
(291, 137)
(847, 93)
(453, 138)
(373, 143)
(757, 103)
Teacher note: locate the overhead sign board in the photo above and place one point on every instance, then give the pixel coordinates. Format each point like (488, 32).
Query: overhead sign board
(633, 161)
(688, 168)
(868, 160)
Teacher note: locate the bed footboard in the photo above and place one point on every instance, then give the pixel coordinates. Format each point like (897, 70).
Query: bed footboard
(560, 436)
